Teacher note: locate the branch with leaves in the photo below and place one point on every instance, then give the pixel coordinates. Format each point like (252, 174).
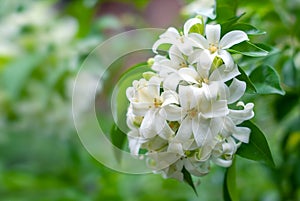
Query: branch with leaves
(185, 105)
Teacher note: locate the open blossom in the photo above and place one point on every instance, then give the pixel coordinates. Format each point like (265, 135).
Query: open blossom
(181, 40)
(214, 46)
(182, 115)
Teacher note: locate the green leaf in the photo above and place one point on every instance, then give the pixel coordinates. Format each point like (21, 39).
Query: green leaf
(119, 99)
(16, 73)
(281, 109)
(229, 184)
(226, 26)
(118, 138)
(248, 49)
(247, 28)
(225, 9)
(188, 179)
(266, 80)
(244, 77)
(257, 149)
(291, 74)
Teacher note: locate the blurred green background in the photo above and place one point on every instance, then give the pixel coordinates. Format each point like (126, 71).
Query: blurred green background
(43, 44)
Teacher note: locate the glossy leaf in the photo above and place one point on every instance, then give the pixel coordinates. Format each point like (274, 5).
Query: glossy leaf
(266, 80)
(188, 179)
(257, 149)
(225, 9)
(248, 49)
(291, 74)
(244, 77)
(227, 25)
(229, 184)
(118, 138)
(247, 28)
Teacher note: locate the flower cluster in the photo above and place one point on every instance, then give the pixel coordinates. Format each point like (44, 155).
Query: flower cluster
(179, 113)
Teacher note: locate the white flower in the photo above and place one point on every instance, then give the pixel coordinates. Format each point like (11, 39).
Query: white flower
(201, 7)
(180, 40)
(224, 151)
(147, 102)
(196, 108)
(214, 46)
(181, 116)
(165, 66)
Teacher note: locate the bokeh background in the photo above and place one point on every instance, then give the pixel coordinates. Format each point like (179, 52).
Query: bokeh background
(42, 46)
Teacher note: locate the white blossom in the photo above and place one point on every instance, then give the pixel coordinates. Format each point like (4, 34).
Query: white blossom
(214, 46)
(182, 115)
(181, 40)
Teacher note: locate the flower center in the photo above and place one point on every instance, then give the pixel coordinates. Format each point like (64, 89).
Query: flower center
(157, 102)
(202, 80)
(183, 65)
(212, 48)
(138, 121)
(193, 112)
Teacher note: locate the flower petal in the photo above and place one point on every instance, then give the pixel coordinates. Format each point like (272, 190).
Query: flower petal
(185, 45)
(161, 160)
(227, 59)
(169, 97)
(175, 148)
(222, 162)
(238, 116)
(228, 127)
(242, 134)
(174, 113)
(188, 74)
(185, 130)
(152, 123)
(236, 90)
(163, 66)
(166, 132)
(186, 97)
(195, 56)
(197, 168)
(214, 109)
(140, 109)
(199, 41)
(206, 60)
(201, 129)
(213, 33)
(220, 74)
(162, 41)
(188, 25)
(171, 81)
(175, 55)
(232, 38)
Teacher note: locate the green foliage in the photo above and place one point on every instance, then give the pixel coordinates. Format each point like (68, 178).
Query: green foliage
(266, 80)
(118, 138)
(247, 28)
(248, 49)
(243, 76)
(41, 156)
(291, 74)
(229, 188)
(257, 149)
(17, 73)
(188, 179)
(226, 9)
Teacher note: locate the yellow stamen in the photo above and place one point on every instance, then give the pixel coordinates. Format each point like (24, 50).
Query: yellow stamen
(193, 112)
(183, 65)
(157, 102)
(212, 48)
